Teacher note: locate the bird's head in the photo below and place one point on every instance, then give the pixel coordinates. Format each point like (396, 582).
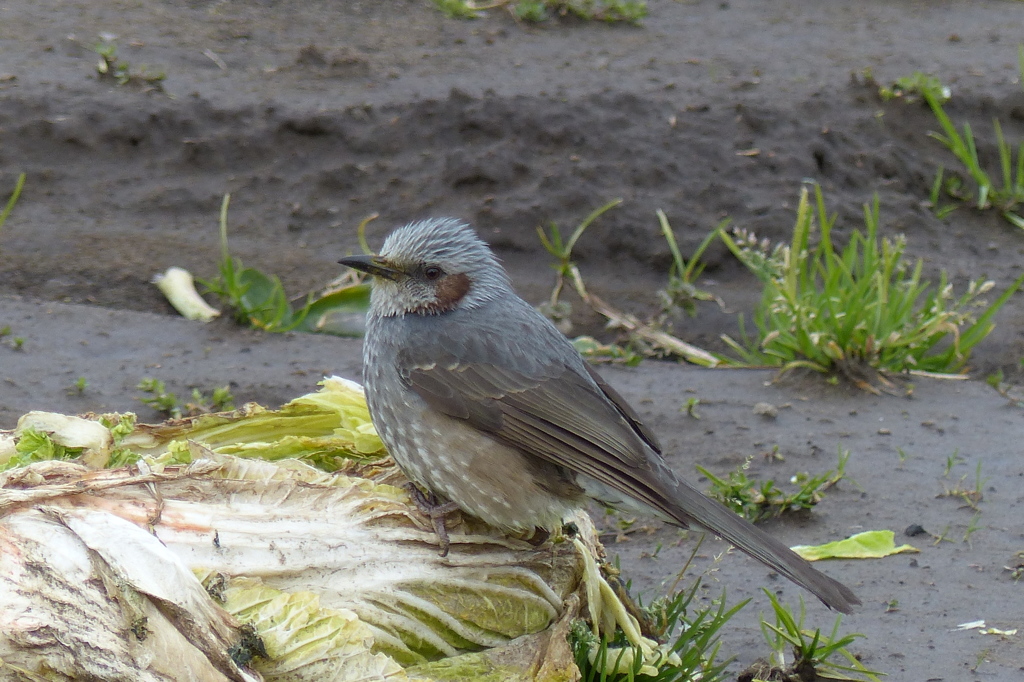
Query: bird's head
(432, 267)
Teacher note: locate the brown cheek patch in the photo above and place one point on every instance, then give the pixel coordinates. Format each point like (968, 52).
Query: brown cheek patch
(450, 291)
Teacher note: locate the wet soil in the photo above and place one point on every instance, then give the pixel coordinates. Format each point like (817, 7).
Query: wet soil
(314, 115)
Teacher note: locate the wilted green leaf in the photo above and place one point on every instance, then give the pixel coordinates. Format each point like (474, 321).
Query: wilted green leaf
(872, 544)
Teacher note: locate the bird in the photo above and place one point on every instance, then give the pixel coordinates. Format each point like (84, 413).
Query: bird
(488, 409)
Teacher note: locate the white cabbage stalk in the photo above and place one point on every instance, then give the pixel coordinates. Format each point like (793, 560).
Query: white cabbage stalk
(87, 594)
(180, 289)
(8, 446)
(337, 574)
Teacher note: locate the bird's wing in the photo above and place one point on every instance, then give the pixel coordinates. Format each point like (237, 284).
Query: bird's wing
(625, 409)
(552, 411)
(557, 412)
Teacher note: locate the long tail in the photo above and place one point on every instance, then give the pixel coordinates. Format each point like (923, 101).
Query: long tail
(688, 506)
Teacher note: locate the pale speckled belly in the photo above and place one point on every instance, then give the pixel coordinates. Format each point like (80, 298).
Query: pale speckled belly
(492, 481)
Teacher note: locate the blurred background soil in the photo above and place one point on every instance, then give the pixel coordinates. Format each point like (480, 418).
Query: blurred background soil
(315, 115)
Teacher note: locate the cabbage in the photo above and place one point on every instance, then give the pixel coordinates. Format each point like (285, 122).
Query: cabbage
(205, 556)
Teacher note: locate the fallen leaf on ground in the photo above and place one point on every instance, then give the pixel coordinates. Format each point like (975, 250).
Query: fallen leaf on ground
(871, 544)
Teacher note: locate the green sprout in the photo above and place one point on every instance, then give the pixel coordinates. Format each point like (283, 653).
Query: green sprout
(997, 381)
(259, 299)
(972, 528)
(1003, 191)
(690, 407)
(1007, 196)
(681, 291)
(759, 500)
(951, 461)
(814, 654)
(628, 11)
(914, 87)
(565, 268)
(112, 66)
(695, 641)
(12, 200)
(645, 338)
(458, 9)
(220, 400)
(159, 399)
(970, 496)
(535, 11)
(861, 312)
(934, 201)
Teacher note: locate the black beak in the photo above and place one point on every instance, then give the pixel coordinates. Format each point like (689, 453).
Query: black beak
(372, 265)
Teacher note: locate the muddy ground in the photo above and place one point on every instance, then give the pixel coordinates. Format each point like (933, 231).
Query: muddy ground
(314, 115)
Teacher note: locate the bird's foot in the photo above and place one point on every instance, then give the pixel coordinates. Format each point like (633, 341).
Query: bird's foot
(539, 537)
(438, 513)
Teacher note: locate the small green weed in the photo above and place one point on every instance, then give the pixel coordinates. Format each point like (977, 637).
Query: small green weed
(645, 338)
(535, 11)
(914, 87)
(1005, 191)
(459, 9)
(220, 400)
(628, 11)
(259, 299)
(970, 496)
(972, 528)
(934, 196)
(696, 643)
(159, 399)
(1017, 569)
(759, 500)
(15, 342)
(682, 292)
(951, 461)
(162, 401)
(1007, 196)
(565, 268)
(690, 407)
(814, 654)
(112, 66)
(860, 313)
(1008, 391)
(12, 200)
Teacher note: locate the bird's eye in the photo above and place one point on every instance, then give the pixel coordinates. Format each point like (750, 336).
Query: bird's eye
(432, 272)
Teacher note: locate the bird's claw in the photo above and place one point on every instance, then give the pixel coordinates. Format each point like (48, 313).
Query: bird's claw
(438, 514)
(539, 537)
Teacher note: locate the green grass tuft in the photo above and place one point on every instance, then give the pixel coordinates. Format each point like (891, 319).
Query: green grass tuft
(1004, 190)
(696, 643)
(12, 200)
(759, 500)
(861, 312)
(813, 654)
